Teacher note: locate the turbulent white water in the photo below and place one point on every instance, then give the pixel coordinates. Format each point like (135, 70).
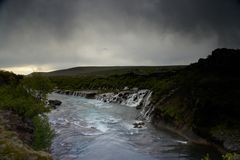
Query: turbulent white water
(88, 129)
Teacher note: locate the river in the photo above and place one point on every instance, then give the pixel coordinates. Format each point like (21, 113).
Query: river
(88, 129)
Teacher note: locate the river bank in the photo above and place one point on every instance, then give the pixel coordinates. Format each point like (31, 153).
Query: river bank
(16, 138)
(83, 126)
(200, 99)
(140, 99)
(25, 133)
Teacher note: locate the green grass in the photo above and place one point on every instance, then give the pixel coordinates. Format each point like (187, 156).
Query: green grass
(22, 98)
(102, 71)
(17, 99)
(43, 133)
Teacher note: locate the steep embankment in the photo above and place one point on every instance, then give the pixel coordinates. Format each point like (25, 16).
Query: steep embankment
(15, 139)
(206, 100)
(201, 99)
(22, 125)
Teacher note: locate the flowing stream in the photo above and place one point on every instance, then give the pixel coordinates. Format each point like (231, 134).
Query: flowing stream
(88, 129)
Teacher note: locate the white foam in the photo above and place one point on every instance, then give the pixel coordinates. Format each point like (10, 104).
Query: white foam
(182, 142)
(102, 128)
(77, 123)
(91, 133)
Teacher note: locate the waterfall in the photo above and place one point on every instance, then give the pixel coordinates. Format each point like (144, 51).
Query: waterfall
(147, 108)
(86, 94)
(141, 99)
(129, 98)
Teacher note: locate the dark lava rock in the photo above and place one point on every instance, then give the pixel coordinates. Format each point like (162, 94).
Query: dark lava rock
(54, 103)
(90, 95)
(138, 124)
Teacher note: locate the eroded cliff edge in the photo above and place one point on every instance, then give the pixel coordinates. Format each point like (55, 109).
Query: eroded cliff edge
(200, 101)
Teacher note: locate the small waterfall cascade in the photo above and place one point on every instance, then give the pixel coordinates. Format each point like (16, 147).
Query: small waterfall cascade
(86, 94)
(129, 98)
(140, 99)
(147, 108)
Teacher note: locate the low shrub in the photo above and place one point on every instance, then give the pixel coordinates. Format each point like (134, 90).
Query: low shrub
(43, 133)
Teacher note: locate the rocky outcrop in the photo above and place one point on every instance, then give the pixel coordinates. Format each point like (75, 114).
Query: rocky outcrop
(207, 97)
(133, 98)
(139, 98)
(12, 148)
(16, 138)
(138, 124)
(229, 138)
(13, 122)
(54, 103)
(86, 94)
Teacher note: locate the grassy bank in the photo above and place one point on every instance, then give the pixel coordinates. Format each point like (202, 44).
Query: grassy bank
(25, 110)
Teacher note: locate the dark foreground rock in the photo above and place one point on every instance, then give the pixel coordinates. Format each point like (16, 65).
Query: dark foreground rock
(205, 100)
(54, 103)
(12, 122)
(15, 139)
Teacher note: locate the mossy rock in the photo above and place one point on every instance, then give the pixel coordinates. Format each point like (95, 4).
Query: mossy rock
(12, 148)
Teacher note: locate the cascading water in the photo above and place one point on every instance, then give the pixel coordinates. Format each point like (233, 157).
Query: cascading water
(147, 108)
(89, 129)
(140, 99)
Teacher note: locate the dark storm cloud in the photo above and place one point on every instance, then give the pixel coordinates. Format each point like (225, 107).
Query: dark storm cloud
(203, 17)
(114, 32)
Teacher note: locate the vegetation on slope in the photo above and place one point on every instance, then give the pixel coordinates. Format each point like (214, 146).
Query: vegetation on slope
(202, 96)
(14, 139)
(103, 71)
(207, 99)
(24, 98)
(157, 79)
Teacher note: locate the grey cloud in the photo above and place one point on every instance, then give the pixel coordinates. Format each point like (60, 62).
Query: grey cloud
(204, 17)
(136, 32)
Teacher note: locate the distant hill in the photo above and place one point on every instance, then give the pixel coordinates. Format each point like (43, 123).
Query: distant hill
(111, 70)
(201, 98)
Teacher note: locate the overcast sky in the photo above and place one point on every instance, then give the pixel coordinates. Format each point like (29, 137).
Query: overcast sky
(43, 35)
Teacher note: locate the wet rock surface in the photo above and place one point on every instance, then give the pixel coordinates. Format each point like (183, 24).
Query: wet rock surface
(138, 124)
(140, 99)
(132, 98)
(54, 103)
(86, 94)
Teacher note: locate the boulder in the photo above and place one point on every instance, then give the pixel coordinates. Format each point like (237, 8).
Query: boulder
(125, 88)
(90, 95)
(138, 124)
(54, 103)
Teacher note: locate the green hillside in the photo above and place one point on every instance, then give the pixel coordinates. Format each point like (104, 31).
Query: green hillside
(111, 70)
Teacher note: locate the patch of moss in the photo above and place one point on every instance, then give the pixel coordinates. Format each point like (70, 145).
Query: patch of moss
(174, 111)
(227, 156)
(228, 136)
(12, 148)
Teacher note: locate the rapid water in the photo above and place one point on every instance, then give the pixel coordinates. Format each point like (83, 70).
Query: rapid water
(89, 129)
